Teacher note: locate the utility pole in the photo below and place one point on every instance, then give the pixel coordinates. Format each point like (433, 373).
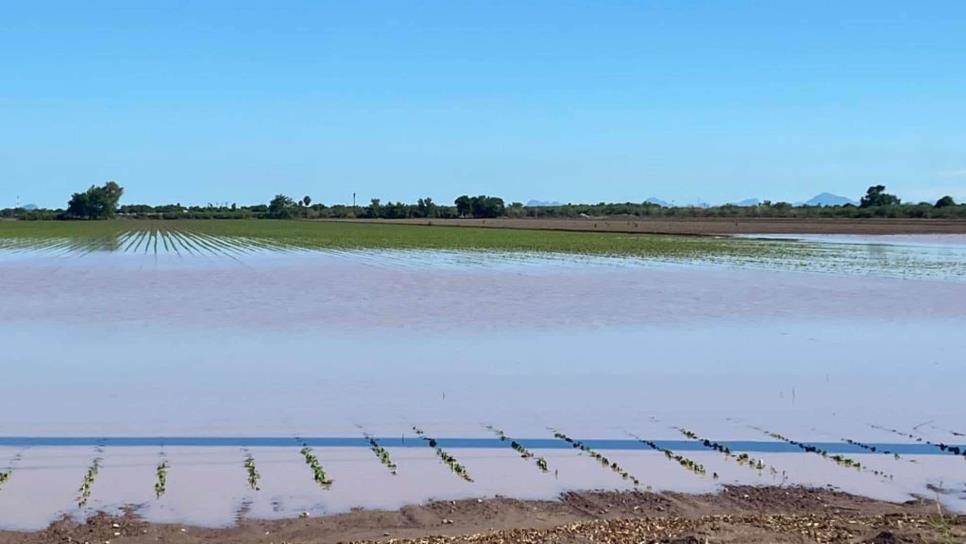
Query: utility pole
(353, 200)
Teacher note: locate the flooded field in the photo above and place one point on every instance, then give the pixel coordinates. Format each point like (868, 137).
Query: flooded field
(203, 375)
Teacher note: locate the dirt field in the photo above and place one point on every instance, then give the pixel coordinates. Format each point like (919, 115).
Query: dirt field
(711, 225)
(738, 514)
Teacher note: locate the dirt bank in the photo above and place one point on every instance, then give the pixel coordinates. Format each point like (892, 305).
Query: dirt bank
(738, 514)
(710, 225)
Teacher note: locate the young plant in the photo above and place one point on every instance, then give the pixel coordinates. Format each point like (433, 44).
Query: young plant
(577, 444)
(871, 448)
(318, 473)
(742, 459)
(448, 459)
(947, 448)
(161, 473)
(693, 466)
(253, 475)
(381, 453)
(89, 476)
(520, 448)
(839, 459)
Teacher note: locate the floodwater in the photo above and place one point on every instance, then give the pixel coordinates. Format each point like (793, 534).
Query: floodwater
(201, 358)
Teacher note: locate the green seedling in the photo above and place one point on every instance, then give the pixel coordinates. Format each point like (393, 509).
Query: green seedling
(448, 459)
(318, 473)
(600, 458)
(520, 448)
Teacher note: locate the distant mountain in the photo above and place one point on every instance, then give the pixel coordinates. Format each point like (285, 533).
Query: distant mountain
(828, 199)
(658, 201)
(542, 203)
(30, 207)
(747, 203)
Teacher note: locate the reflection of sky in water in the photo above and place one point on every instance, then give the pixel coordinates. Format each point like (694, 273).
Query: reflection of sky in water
(312, 344)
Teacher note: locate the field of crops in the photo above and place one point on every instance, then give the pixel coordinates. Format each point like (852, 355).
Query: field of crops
(247, 235)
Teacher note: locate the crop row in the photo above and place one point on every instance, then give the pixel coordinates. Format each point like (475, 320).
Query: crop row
(161, 481)
(689, 464)
(450, 461)
(318, 473)
(871, 448)
(837, 458)
(600, 458)
(948, 448)
(520, 448)
(381, 453)
(86, 486)
(741, 458)
(253, 475)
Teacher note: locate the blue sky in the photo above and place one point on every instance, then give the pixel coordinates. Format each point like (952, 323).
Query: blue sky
(592, 101)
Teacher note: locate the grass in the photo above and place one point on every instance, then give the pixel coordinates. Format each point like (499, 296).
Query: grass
(210, 235)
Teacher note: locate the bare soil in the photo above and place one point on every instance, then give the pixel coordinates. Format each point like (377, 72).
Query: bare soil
(705, 225)
(737, 514)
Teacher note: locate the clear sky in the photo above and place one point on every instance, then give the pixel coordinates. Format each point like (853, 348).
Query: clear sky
(591, 101)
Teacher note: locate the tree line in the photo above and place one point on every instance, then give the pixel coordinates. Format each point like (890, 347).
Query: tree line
(103, 202)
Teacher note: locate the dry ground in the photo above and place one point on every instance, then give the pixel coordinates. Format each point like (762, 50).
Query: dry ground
(738, 514)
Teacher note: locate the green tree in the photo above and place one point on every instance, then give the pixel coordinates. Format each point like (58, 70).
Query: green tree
(280, 207)
(375, 208)
(306, 201)
(95, 203)
(945, 201)
(463, 207)
(876, 196)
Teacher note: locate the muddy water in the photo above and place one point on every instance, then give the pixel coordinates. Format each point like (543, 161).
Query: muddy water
(311, 344)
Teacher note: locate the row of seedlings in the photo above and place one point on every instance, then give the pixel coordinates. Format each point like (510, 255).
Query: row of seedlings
(8, 472)
(161, 477)
(688, 464)
(318, 473)
(84, 491)
(251, 470)
(520, 448)
(947, 448)
(381, 453)
(839, 459)
(450, 461)
(742, 459)
(577, 444)
(873, 449)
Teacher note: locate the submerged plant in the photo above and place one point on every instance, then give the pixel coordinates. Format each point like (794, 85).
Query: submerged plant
(161, 472)
(873, 449)
(520, 448)
(947, 448)
(577, 444)
(381, 453)
(689, 464)
(741, 458)
(89, 476)
(318, 473)
(448, 459)
(837, 458)
(253, 475)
